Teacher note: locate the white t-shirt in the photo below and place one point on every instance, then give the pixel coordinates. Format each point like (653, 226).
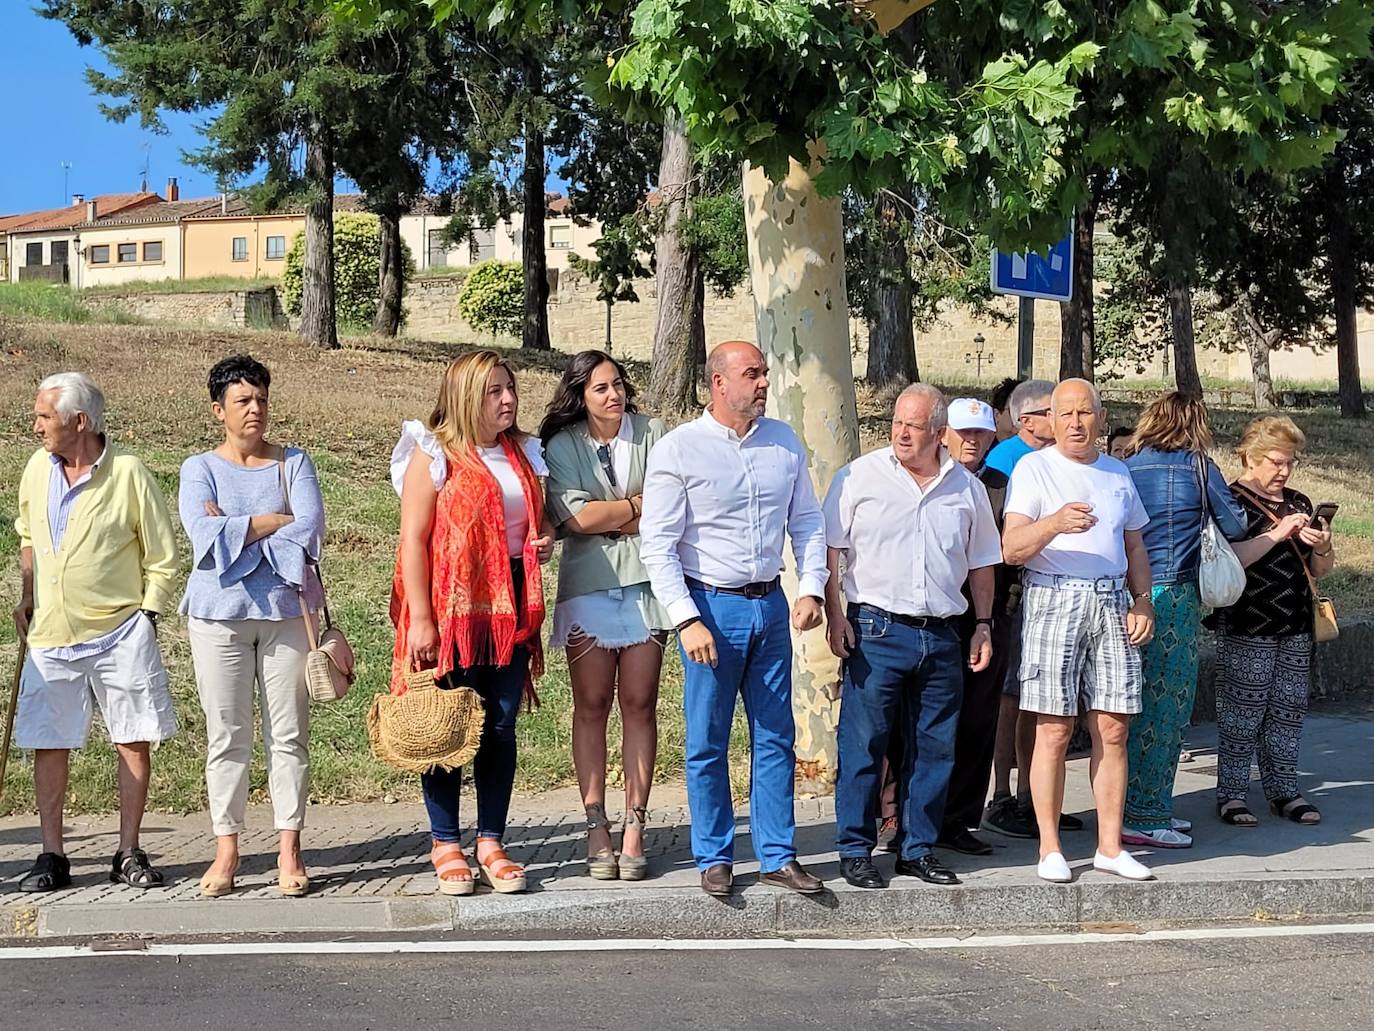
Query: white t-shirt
(513, 494)
(621, 449)
(1045, 481)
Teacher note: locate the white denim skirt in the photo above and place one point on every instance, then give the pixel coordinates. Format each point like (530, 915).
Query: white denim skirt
(618, 618)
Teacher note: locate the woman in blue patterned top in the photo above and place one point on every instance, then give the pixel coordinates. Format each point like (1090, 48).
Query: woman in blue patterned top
(255, 518)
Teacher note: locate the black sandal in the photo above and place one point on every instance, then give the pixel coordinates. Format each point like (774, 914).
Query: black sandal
(131, 867)
(1295, 809)
(51, 872)
(1234, 812)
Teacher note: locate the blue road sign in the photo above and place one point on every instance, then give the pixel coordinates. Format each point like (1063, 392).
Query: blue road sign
(1047, 276)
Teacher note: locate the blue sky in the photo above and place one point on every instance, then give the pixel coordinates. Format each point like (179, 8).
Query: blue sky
(56, 118)
(52, 116)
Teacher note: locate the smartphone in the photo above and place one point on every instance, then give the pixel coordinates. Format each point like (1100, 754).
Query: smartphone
(1325, 512)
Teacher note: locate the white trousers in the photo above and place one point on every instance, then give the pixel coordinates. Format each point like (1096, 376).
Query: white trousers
(235, 660)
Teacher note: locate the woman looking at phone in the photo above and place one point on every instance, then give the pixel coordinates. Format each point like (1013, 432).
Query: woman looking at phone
(1264, 641)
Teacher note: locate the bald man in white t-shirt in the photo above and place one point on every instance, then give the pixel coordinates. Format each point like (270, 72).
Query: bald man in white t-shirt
(1073, 519)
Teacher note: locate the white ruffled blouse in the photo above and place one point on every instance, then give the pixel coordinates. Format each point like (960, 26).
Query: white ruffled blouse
(415, 435)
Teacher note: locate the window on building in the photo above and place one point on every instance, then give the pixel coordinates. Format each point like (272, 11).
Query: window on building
(560, 237)
(59, 252)
(152, 250)
(128, 252)
(240, 248)
(436, 252)
(485, 239)
(100, 254)
(33, 253)
(276, 248)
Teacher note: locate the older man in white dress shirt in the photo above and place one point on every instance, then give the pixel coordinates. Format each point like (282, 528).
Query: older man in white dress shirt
(719, 494)
(909, 525)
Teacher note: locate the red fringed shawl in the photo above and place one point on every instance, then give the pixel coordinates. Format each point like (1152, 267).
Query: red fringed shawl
(471, 587)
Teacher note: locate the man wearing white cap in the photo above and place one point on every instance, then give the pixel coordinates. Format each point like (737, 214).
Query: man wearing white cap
(906, 525)
(971, 432)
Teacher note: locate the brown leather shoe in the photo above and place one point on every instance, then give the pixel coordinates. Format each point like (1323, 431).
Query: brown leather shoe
(794, 877)
(717, 880)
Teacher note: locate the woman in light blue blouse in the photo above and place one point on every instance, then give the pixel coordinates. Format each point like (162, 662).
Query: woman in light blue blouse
(255, 518)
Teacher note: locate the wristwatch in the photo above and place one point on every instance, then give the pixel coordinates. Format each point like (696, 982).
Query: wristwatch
(983, 621)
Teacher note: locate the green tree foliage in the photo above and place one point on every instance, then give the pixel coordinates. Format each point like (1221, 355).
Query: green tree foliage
(357, 263)
(618, 263)
(492, 297)
(714, 231)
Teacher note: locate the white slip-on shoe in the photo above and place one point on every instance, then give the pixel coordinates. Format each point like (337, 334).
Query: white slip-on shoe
(1182, 826)
(1055, 869)
(1123, 865)
(1165, 837)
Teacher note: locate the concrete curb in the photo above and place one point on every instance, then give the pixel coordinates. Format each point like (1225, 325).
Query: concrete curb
(687, 913)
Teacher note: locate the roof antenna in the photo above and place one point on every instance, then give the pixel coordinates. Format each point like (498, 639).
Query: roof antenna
(147, 160)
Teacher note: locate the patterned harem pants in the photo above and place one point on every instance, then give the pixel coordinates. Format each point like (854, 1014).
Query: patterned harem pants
(1262, 689)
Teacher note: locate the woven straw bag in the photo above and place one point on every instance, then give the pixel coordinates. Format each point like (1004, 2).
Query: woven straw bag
(426, 727)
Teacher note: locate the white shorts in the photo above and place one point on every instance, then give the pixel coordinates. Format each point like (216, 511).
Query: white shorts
(128, 682)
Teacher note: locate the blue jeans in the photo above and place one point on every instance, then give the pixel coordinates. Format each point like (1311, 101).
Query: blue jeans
(493, 768)
(754, 660)
(910, 679)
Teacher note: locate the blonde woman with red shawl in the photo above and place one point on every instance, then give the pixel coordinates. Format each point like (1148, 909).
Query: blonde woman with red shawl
(467, 598)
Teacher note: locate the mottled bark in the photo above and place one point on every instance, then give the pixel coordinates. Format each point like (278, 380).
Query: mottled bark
(891, 338)
(679, 333)
(1186, 376)
(1078, 331)
(318, 322)
(534, 332)
(796, 259)
(391, 275)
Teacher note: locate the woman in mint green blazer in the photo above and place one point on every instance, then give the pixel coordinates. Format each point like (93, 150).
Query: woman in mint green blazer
(606, 617)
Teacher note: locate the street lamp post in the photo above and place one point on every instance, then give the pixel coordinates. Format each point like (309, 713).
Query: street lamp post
(977, 356)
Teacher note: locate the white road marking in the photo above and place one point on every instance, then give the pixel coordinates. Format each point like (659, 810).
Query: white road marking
(487, 947)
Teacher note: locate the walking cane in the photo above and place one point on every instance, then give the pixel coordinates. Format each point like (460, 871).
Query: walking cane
(9, 714)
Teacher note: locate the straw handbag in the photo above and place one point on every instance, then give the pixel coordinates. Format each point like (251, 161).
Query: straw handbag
(329, 665)
(427, 726)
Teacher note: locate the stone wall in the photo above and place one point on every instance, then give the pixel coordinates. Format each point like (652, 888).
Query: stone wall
(245, 309)
(946, 350)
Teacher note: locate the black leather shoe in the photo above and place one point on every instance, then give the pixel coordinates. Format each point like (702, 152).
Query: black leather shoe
(1068, 822)
(717, 880)
(928, 868)
(50, 872)
(794, 877)
(962, 840)
(860, 872)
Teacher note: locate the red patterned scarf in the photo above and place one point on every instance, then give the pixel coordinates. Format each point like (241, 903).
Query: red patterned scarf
(471, 586)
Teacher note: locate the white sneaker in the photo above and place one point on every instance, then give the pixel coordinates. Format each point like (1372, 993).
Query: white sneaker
(1184, 826)
(1123, 865)
(1055, 869)
(1165, 837)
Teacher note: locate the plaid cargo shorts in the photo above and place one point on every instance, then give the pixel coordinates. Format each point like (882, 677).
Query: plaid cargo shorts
(1075, 655)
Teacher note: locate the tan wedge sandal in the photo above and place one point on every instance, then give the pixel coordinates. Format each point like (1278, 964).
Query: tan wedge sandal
(634, 868)
(496, 868)
(601, 865)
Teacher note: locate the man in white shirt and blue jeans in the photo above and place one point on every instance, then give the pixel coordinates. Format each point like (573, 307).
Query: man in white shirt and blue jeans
(719, 494)
(1073, 519)
(910, 525)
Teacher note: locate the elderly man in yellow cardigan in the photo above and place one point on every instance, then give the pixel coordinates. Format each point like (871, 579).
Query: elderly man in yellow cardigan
(98, 560)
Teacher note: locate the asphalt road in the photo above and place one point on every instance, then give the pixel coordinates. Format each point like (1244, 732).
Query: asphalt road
(1293, 984)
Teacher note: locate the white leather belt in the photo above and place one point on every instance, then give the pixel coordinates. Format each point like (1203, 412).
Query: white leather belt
(1061, 582)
